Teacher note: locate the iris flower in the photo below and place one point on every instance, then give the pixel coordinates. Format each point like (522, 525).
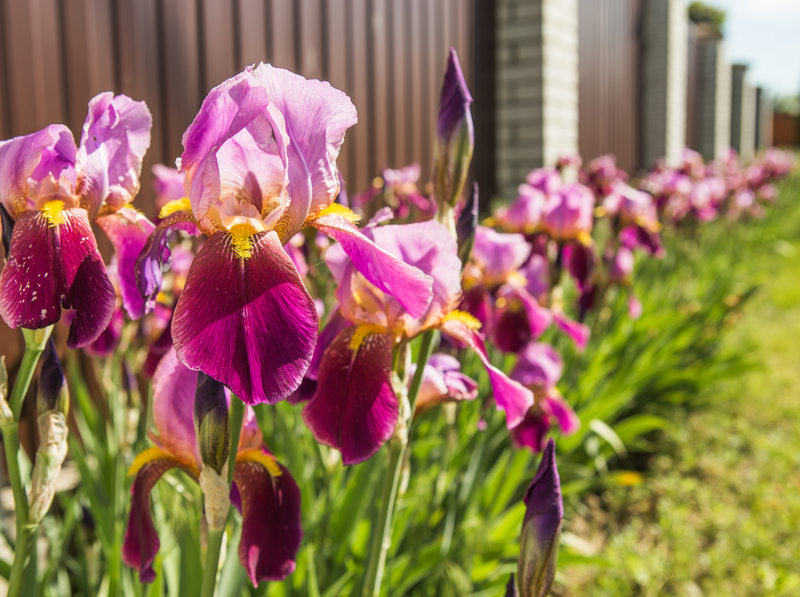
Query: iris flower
(264, 490)
(355, 408)
(53, 190)
(260, 164)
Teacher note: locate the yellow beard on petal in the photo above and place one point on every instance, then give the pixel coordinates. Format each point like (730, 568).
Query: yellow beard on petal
(465, 318)
(53, 211)
(265, 460)
(241, 238)
(176, 205)
(362, 331)
(337, 209)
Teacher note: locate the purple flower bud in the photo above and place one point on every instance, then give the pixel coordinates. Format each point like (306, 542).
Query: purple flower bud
(53, 393)
(541, 528)
(211, 422)
(455, 135)
(8, 228)
(466, 226)
(511, 587)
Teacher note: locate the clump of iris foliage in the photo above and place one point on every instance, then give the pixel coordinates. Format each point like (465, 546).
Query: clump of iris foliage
(283, 390)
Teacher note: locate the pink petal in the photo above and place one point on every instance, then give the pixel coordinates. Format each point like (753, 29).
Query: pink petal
(555, 406)
(128, 231)
(577, 331)
(410, 286)
(354, 409)
(116, 135)
(538, 365)
(532, 432)
(510, 396)
(247, 322)
(498, 255)
(271, 530)
(174, 386)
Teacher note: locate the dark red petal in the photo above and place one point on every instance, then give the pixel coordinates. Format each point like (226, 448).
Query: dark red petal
(271, 530)
(141, 540)
(354, 409)
(247, 322)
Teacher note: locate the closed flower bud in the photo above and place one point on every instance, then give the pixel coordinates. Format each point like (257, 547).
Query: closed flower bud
(52, 404)
(541, 528)
(511, 587)
(455, 136)
(211, 422)
(466, 226)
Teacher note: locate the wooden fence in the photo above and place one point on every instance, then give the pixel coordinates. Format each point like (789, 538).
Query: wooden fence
(388, 55)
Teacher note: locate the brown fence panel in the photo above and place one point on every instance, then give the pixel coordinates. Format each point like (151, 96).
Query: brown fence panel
(609, 74)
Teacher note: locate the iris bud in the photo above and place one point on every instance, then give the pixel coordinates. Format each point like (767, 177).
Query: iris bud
(213, 430)
(541, 528)
(211, 422)
(465, 228)
(511, 587)
(455, 140)
(52, 404)
(8, 228)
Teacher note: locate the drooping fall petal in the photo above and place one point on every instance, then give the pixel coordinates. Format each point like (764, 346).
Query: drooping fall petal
(354, 409)
(246, 319)
(579, 332)
(510, 396)
(128, 231)
(54, 262)
(271, 530)
(141, 542)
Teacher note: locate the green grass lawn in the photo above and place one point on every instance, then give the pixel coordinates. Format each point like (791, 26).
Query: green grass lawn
(718, 512)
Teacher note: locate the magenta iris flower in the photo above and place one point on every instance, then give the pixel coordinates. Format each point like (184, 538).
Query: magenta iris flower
(260, 164)
(442, 381)
(263, 490)
(354, 408)
(539, 368)
(53, 190)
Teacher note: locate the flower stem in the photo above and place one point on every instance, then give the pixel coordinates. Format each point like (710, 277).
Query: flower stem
(235, 417)
(212, 562)
(35, 341)
(382, 527)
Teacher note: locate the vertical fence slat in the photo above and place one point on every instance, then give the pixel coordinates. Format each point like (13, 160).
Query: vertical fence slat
(379, 87)
(182, 70)
(358, 90)
(282, 34)
(336, 59)
(139, 64)
(252, 33)
(399, 67)
(219, 61)
(310, 29)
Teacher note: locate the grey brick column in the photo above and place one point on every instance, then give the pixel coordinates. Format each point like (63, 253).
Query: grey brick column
(664, 65)
(743, 112)
(537, 86)
(713, 103)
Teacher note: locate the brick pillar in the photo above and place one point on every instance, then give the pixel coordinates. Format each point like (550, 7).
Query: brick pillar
(537, 86)
(713, 104)
(664, 78)
(763, 118)
(743, 112)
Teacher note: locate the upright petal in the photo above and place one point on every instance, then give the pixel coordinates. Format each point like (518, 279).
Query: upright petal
(271, 530)
(174, 387)
(128, 231)
(116, 135)
(317, 116)
(236, 145)
(54, 263)
(411, 287)
(141, 542)
(36, 156)
(246, 321)
(167, 184)
(510, 396)
(499, 255)
(354, 409)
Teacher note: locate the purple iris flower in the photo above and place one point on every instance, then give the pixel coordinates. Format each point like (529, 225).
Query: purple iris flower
(602, 174)
(355, 408)
(53, 190)
(569, 212)
(268, 496)
(539, 368)
(442, 381)
(525, 214)
(167, 184)
(260, 164)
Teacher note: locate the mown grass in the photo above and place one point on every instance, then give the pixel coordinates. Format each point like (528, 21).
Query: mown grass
(719, 508)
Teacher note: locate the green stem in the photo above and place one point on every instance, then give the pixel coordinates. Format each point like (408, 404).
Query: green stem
(35, 342)
(236, 418)
(212, 562)
(382, 526)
